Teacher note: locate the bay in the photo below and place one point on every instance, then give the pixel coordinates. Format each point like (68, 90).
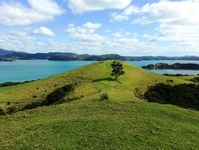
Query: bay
(25, 70)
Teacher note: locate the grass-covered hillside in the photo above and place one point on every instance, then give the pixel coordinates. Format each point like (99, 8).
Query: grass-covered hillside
(84, 121)
(88, 80)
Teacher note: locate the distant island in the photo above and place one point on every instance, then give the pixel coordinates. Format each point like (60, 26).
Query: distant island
(63, 56)
(6, 59)
(67, 56)
(188, 66)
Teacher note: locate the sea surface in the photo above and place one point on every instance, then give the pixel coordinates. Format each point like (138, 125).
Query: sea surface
(24, 70)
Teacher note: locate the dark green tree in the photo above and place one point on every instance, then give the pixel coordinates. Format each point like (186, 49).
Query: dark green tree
(117, 69)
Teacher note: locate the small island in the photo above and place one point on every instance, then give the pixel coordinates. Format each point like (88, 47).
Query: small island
(6, 60)
(188, 66)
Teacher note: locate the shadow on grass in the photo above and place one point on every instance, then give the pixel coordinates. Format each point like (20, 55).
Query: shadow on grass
(104, 79)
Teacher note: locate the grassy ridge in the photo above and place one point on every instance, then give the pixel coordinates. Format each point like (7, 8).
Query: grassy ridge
(97, 74)
(122, 122)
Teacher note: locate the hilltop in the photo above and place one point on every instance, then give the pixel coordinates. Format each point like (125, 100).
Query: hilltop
(84, 121)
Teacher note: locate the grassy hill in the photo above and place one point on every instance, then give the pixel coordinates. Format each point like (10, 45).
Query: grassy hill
(122, 122)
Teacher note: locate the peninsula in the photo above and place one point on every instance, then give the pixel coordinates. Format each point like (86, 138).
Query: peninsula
(188, 66)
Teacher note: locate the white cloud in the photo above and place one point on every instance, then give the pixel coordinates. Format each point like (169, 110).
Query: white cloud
(17, 40)
(125, 15)
(14, 13)
(21, 40)
(120, 42)
(43, 31)
(81, 6)
(117, 34)
(85, 33)
(177, 23)
(82, 41)
(181, 12)
(121, 34)
(49, 7)
(92, 26)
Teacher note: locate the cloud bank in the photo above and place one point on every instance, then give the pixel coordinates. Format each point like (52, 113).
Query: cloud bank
(177, 22)
(161, 28)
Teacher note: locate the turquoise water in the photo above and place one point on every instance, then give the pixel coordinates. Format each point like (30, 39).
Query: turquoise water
(23, 70)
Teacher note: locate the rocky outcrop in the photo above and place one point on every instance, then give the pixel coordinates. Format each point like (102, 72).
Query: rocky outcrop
(188, 66)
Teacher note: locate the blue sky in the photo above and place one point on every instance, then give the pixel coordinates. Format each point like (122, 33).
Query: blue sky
(125, 27)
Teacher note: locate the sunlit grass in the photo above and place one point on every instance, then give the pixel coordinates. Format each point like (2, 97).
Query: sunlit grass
(102, 125)
(122, 122)
(90, 79)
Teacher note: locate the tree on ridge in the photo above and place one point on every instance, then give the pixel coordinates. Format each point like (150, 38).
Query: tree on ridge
(117, 69)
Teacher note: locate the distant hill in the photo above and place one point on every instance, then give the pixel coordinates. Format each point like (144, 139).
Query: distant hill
(67, 56)
(188, 66)
(169, 58)
(3, 52)
(63, 56)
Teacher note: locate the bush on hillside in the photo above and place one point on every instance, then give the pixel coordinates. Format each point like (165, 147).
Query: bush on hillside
(9, 84)
(103, 96)
(138, 93)
(2, 112)
(33, 105)
(183, 95)
(59, 93)
(14, 83)
(11, 109)
(196, 79)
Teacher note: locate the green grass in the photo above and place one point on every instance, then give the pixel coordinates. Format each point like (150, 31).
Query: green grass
(99, 124)
(122, 122)
(90, 79)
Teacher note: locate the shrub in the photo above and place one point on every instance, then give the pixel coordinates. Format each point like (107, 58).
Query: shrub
(103, 96)
(8, 103)
(9, 84)
(13, 83)
(183, 95)
(2, 112)
(33, 105)
(59, 93)
(196, 79)
(138, 93)
(55, 95)
(11, 109)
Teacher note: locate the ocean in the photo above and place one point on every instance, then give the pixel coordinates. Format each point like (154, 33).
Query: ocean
(25, 70)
